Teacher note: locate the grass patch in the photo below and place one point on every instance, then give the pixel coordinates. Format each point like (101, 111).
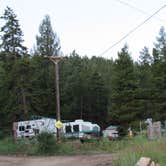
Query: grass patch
(22, 146)
(129, 151)
(141, 146)
(46, 145)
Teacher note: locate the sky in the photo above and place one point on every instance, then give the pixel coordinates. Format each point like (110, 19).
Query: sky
(91, 26)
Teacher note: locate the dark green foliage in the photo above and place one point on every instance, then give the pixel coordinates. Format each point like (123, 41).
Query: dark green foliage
(159, 75)
(83, 90)
(11, 36)
(48, 43)
(160, 46)
(145, 81)
(15, 69)
(95, 100)
(46, 143)
(42, 98)
(124, 110)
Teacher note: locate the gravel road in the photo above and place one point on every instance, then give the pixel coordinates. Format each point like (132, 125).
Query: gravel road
(79, 160)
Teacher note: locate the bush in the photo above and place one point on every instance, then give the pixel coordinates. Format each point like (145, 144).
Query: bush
(46, 143)
(4, 133)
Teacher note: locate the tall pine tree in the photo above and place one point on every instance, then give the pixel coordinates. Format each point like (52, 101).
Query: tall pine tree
(16, 68)
(124, 110)
(145, 91)
(159, 75)
(48, 43)
(11, 36)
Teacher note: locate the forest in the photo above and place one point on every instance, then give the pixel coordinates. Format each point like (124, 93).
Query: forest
(120, 92)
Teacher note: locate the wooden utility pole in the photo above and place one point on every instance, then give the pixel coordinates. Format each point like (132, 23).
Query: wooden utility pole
(55, 60)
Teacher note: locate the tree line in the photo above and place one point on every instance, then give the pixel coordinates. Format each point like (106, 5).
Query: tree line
(106, 91)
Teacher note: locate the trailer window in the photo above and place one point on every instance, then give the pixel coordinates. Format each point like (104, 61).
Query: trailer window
(36, 131)
(28, 127)
(95, 128)
(76, 128)
(21, 128)
(68, 129)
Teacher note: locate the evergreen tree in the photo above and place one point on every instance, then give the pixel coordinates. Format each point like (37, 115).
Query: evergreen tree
(83, 90)
(11, 36)
(159, 75)
(160, 46)
(124, 110)
(145, 58)
(48, 43)
(15, 92)
(14, 61)
(145, 81)
(43, 94)
(96, 100)
(42, 99)
(72, 86)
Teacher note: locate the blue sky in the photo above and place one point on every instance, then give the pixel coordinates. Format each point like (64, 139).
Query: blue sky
(91, 26)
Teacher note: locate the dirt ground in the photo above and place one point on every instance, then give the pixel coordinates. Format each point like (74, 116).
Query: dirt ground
(80, 160)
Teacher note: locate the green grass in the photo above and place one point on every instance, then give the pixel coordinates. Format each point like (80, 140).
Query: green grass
(129, 151)
(142, 147)
(23, 146)
(67, 147)
(33, 147)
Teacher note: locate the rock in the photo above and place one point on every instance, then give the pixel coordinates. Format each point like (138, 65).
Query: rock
(152, 163)
(144, 161)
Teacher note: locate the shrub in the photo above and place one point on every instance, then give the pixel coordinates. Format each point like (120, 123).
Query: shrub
(4, 133)
(46, 143)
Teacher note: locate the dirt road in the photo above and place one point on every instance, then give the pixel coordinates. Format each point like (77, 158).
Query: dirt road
(80, 160)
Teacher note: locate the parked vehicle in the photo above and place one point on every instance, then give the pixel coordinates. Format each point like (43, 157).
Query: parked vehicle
(81, 129)
(111, 132)
(32, 128)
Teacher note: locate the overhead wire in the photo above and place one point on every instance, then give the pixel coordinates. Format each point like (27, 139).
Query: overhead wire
(138, 9)
(132, 31)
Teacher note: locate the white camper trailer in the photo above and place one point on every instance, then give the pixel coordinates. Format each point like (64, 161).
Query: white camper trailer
(32, 128)
(80, 129)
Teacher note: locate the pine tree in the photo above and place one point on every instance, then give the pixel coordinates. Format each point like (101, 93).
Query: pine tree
(160, 46)
(48, 43)
(96, 100)
(145, 81)
(16, 67)
(11, 36)
(159, 75)
(145, 58)
(124, 110)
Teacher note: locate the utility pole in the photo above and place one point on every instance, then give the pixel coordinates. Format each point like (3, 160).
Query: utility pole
(55, 60)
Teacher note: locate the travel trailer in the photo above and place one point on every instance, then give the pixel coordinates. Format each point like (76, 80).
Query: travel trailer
(76, 129)
(81, 129)
(32, 128)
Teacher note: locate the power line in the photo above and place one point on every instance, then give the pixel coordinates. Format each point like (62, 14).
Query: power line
(133, 30)
(139, 10)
